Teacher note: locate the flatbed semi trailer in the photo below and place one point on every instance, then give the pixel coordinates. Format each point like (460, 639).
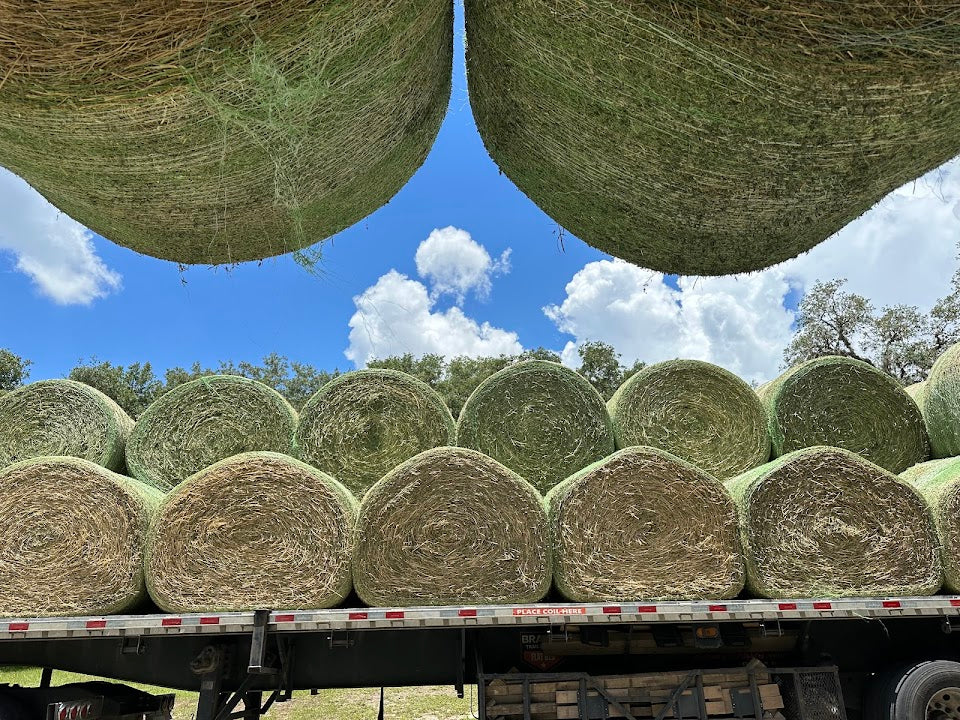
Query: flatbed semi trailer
(869, 658)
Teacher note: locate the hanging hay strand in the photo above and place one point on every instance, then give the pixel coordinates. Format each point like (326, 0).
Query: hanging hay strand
(62, 417)
(206, 420)
(363, 424)
(72, 535)
(824, 522)
(845, 403)
(223, 132)
(257, 530)
(644, 525)
(939, 483)
(451, 526)
(709, 137)
(940, 403)
(540, 419)
(697, 411)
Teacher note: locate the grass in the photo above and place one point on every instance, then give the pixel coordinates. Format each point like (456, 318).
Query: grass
(428, 703)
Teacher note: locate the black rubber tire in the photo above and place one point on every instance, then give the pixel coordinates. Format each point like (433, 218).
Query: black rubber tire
(903, 694)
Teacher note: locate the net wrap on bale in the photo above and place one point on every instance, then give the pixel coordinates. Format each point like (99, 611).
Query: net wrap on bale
(695, 410)
(940, 403)
(62, 417)
(708, 137)
(540, 419)
(939, 483)
(644, 525)
(824, 522)
(206, 420)
(363, 424)
(224, 132)
(257, 530)
(845, 403)
(451, 526)
(72, 537)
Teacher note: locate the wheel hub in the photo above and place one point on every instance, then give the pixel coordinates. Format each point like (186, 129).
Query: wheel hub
(944, 705)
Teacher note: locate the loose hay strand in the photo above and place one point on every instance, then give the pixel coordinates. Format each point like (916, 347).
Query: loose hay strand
(256, 530)
(938, 481)
(206, 420)
(363, 424)
(644, 525)
(72, 536)
(697, 411)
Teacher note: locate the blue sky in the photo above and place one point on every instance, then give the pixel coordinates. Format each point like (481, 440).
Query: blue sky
(68, 294)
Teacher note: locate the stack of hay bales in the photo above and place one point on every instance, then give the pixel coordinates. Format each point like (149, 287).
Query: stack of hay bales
(62, 417)
(845, 403)
(644, 525)
(451, 526)
(824, 522)
(72, 537)
(707, 137)
(697, 411)
(255, 530)
(206, 420)
(221, 133)
(540, 419)
(363, 424)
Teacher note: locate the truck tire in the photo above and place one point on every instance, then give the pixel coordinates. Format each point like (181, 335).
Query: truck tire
(926, 691)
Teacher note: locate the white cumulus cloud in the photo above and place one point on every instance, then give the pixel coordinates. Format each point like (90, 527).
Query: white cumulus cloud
(456, 264)
(56, 252)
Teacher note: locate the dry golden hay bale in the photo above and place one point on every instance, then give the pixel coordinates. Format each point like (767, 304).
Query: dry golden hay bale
(697, 411)
(940, 403)
(845, 403)
(939, 483)
(644, 525)
(824, 522)
(221, 132)
(451, 526)
(62, 417)
(257, 530)
(707, 137)
(540, 419)
(363, 424)
(206, 420)
(72, 537)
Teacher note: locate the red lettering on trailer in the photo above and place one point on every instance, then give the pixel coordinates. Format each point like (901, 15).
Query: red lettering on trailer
(18, 626)
(94, 624)
(550, 611)
(171, 622)
(822, 606)
(787, 606)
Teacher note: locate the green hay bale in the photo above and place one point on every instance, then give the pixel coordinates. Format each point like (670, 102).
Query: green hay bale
(939, 483)
(845, 403)
(206, 420)
(540, 419)
(72, 535)
(916, 391)
(824, 522)
(257, 530)
(705, 137)
(62, 417)
(451, 526)
(697, 411)
(644, 525)
(940, 403)
(221, 133)
(363, 424)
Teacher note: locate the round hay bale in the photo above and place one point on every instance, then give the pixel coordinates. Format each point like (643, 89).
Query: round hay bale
(224, 132)
(540, 419)
(72, 536)
(62, 417)
(940, 403)
(361, 425)
(708, 137)
(845, 403)
(257, 530)
(206, 420)
(939, 483)
(697, 411)
(644, 525)
(916, 392)
(824, 522)
(451, 526)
